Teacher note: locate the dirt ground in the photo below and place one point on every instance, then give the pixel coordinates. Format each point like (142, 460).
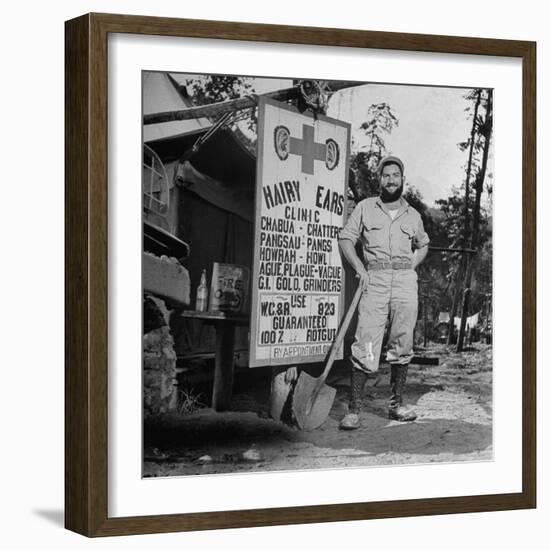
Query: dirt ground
(453, 401)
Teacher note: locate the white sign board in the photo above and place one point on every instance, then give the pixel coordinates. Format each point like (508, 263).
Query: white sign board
(298, 277)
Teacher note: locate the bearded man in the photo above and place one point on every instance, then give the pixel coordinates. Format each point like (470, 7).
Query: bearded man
(394, 243)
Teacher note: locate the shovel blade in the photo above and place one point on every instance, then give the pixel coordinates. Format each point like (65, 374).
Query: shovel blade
(310, 416)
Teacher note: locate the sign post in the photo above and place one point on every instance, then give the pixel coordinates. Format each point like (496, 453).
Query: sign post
(298, 277)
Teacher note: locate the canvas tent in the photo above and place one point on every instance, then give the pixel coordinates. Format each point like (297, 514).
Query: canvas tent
(211, 202)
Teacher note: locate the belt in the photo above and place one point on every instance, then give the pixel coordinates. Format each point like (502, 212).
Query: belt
(376, 266)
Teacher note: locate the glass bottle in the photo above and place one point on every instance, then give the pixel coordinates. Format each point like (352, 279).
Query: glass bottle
(202, 294)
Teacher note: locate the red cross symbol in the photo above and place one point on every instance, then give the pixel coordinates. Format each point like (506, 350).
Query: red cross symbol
(308, 149)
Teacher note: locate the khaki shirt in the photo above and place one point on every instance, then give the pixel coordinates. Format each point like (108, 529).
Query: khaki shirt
(384, 239)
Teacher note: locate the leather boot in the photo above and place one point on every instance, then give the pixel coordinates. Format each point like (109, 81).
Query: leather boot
(358, 380)
(396, 410)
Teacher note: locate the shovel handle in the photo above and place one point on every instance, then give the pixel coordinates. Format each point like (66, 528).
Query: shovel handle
(340, 335)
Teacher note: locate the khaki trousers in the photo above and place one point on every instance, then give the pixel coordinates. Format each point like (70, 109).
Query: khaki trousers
(393, 294)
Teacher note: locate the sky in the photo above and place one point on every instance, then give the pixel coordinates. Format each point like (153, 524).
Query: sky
(432, 121)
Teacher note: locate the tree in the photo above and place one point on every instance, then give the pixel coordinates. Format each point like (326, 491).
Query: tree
(462, 226)
(451, 224)
(471, 145)
(484, 131)
(208, 89)
(432, 284)
(363, 163)
(454, 208)
(463, 217)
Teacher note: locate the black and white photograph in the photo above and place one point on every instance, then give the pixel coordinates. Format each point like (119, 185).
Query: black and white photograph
(317, 274)
(290, 260)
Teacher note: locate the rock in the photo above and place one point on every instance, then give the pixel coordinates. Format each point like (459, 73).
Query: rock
(252, 455)
(159, 373)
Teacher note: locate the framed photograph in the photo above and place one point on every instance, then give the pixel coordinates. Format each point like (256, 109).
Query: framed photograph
(300, 275)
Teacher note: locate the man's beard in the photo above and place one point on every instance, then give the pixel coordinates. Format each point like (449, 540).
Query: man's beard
(391, 196)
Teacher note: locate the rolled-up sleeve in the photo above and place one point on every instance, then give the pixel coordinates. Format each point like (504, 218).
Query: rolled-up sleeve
(352, 230)
(421, 238)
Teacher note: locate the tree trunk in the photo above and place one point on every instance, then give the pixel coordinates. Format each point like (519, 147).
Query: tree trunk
(456, 299)
(480, 178)
(465, 304)
(467, 233)
(465, 261)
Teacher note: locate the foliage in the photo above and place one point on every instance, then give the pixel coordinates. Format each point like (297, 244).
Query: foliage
(482, 284)
(208, 89)
(433, 272)
(188, 401)
(450, 234)
(453, 208)
(380, 121)
(216, 88)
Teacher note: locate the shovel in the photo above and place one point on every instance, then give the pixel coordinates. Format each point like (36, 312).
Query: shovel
(312, 398)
